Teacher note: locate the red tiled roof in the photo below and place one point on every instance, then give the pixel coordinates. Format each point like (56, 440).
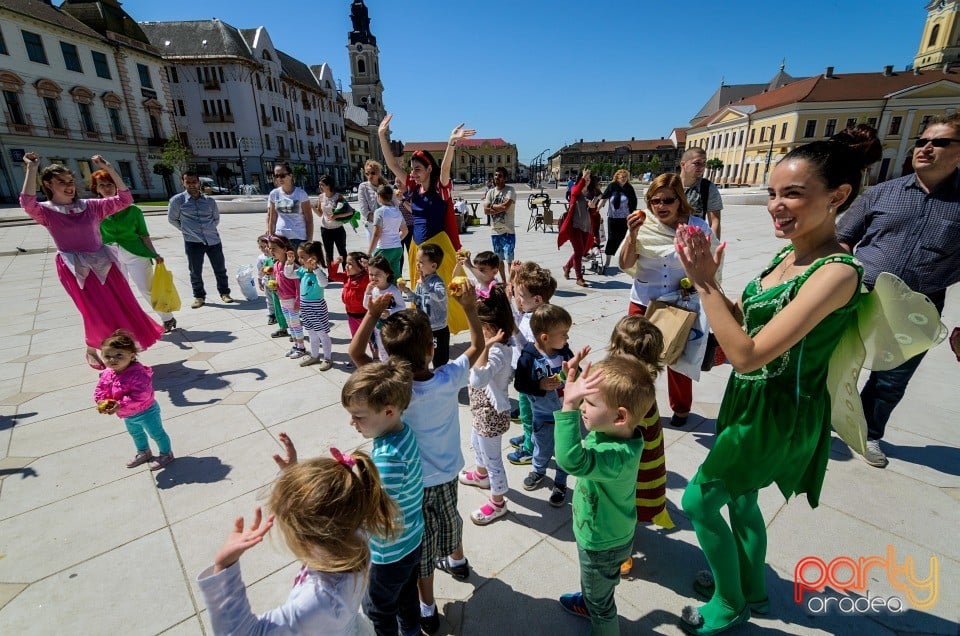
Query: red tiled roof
(841, 87)
(429, 146)
(610, 146)
(471, 142)
(681, 134)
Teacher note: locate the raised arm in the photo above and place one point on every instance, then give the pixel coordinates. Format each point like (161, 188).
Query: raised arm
(392, 162)
(32, 162)
(628, 249)
(456, 135)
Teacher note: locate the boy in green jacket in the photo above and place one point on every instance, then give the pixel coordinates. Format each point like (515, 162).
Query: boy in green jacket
(612, 398)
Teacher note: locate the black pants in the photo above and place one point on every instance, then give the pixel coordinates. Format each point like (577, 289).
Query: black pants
(616, 232)
(392, 595)
(441, 347)
(336, 236)
(195, 253)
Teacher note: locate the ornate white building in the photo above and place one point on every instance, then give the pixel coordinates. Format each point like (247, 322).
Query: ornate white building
(242, 105)
(79, 80)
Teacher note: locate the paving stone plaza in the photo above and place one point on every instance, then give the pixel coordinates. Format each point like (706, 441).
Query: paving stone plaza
(88, 546)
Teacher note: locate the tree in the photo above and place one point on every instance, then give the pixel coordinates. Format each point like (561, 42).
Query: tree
(655, 165)
(175, 156)
(165, 171)
(299, 172)
(715, 165)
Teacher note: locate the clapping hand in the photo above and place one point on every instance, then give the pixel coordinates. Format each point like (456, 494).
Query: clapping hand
(579, 384)
(241, 540)
(289, 449)
(693, 249)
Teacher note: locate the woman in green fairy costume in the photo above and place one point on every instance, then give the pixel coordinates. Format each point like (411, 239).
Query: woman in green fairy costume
(774, 422)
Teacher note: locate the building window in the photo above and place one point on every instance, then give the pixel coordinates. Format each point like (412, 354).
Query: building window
(811, 128)
(3, 45)
(100, 64)
(115, 124)
(851, 122)
(783, 131)
(126, 173)
(86, 118)
(34, 47)
(14, 111)
(266, 141)
(259, 86)
(895, 123)
(753, 132)
(71, 58)
(763, 134)
(181, 108)
(924, 123)
(872, 122)
(934, 34)
(172, 75)
(361, 67)
(144, 72)
(53, 112)
(740, 139)
(233, 139)
(831, 128)
(213, 140)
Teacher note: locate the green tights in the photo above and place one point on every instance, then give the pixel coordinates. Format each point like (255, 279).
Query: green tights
(736, 552)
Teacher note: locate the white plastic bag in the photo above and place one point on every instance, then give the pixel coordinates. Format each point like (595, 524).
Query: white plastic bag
(247, 280)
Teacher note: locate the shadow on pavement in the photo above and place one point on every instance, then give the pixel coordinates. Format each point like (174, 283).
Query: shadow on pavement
(9, 421)
(24, 472)
(176, 379)
(945, 459)
(193, 470)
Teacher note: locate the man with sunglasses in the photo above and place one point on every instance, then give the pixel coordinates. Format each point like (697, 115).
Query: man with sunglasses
(909, 227)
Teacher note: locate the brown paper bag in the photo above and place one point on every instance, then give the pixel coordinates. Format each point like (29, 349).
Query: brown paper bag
(674, 323)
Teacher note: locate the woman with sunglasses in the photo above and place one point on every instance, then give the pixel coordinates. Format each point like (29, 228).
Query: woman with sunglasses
(650, 248)
(289, 211)
(367, 193)
(431, 202)
(577, 225)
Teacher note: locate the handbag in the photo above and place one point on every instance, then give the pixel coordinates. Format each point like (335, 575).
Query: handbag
(714, 355)
(163, 295)
(342, 211)
(675, 324)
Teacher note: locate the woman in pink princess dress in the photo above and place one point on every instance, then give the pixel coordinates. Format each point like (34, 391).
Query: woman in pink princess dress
(88, 269)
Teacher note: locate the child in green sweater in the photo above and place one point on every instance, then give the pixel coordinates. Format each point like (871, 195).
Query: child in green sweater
(611, 398)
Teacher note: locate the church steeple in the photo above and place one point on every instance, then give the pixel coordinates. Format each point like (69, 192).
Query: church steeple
(365, 65)
(940, 41)
(361, 25)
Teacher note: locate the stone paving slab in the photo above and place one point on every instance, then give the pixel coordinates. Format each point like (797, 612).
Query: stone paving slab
(88, 546)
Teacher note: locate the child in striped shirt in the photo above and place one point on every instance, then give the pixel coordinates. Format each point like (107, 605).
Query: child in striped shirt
(376, 395)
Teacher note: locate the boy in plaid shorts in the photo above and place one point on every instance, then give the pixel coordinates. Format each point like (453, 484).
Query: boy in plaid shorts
(433, 415)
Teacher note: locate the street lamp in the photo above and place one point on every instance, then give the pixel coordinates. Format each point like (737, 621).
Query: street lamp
(242, 144)
(766, 168)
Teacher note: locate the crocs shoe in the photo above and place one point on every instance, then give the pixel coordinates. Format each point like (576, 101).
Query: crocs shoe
(473, 478)
(626, 567)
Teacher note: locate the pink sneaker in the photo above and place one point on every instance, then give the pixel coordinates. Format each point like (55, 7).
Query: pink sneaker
(488, 513)
(473, 478)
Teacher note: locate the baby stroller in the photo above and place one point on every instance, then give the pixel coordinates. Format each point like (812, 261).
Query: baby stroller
(594, 259)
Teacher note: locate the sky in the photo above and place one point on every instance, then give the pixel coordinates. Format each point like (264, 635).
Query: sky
(544, 74)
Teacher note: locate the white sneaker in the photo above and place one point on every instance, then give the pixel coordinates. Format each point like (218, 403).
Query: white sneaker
(873, 455)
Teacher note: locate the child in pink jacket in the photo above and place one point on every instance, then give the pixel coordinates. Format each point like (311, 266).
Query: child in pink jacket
(126, 388)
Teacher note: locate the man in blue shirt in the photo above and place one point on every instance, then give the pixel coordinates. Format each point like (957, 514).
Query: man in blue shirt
(197, 217)
(909, 227)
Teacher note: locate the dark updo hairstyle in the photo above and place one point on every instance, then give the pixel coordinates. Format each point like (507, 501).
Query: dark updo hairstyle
(842, 159)
(120, 339)
(314, 249)
(327, 180)
(425, 159)
(496, 311)
(380, 262)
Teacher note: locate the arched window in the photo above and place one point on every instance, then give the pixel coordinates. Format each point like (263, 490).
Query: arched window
(361, 66)
(934, 34)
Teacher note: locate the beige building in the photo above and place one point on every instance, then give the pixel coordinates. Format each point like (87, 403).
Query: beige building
(751, 135)
(475, 159)
(638, 156)
(358, 145)
(940, 41)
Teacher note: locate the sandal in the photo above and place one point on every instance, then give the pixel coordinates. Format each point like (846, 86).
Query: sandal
(566, 272)
(473, 478)
(582, 282)
(488, 513)
(704, 586)
(142, 457)
(691, 621)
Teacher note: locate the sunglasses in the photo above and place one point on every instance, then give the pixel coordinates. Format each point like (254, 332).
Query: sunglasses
(665, 201)
(936, 142)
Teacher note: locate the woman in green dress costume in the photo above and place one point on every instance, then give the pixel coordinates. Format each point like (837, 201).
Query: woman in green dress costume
(774, 421)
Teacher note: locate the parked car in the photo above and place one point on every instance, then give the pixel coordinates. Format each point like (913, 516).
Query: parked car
(209, 186)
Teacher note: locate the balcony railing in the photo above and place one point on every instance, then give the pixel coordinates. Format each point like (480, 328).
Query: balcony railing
(21, 129)
(119, 137)
(60, 132)
(213, 118)
(92, 135)
(211, 85)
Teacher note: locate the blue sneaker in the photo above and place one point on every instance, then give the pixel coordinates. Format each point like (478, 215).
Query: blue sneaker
(574, 604)
(515, 415)
(517, 442)
(520, 457)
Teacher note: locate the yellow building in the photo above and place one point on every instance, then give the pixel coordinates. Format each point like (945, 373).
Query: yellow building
(940, 42)
(358, 146)
(474, 159)
(751, 135)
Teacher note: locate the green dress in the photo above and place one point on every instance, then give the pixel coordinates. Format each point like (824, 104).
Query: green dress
(774, 423)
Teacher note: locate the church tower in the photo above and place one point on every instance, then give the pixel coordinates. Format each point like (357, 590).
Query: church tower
(940, 42)
(365, 65)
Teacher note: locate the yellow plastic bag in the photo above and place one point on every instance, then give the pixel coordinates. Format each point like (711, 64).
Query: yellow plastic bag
(163, 295)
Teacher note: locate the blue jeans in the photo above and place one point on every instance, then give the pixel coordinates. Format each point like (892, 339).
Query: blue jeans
(392, 595)
(148, 423)
(195, 253)
(884, 389)
(543, 430)
(599, 576)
